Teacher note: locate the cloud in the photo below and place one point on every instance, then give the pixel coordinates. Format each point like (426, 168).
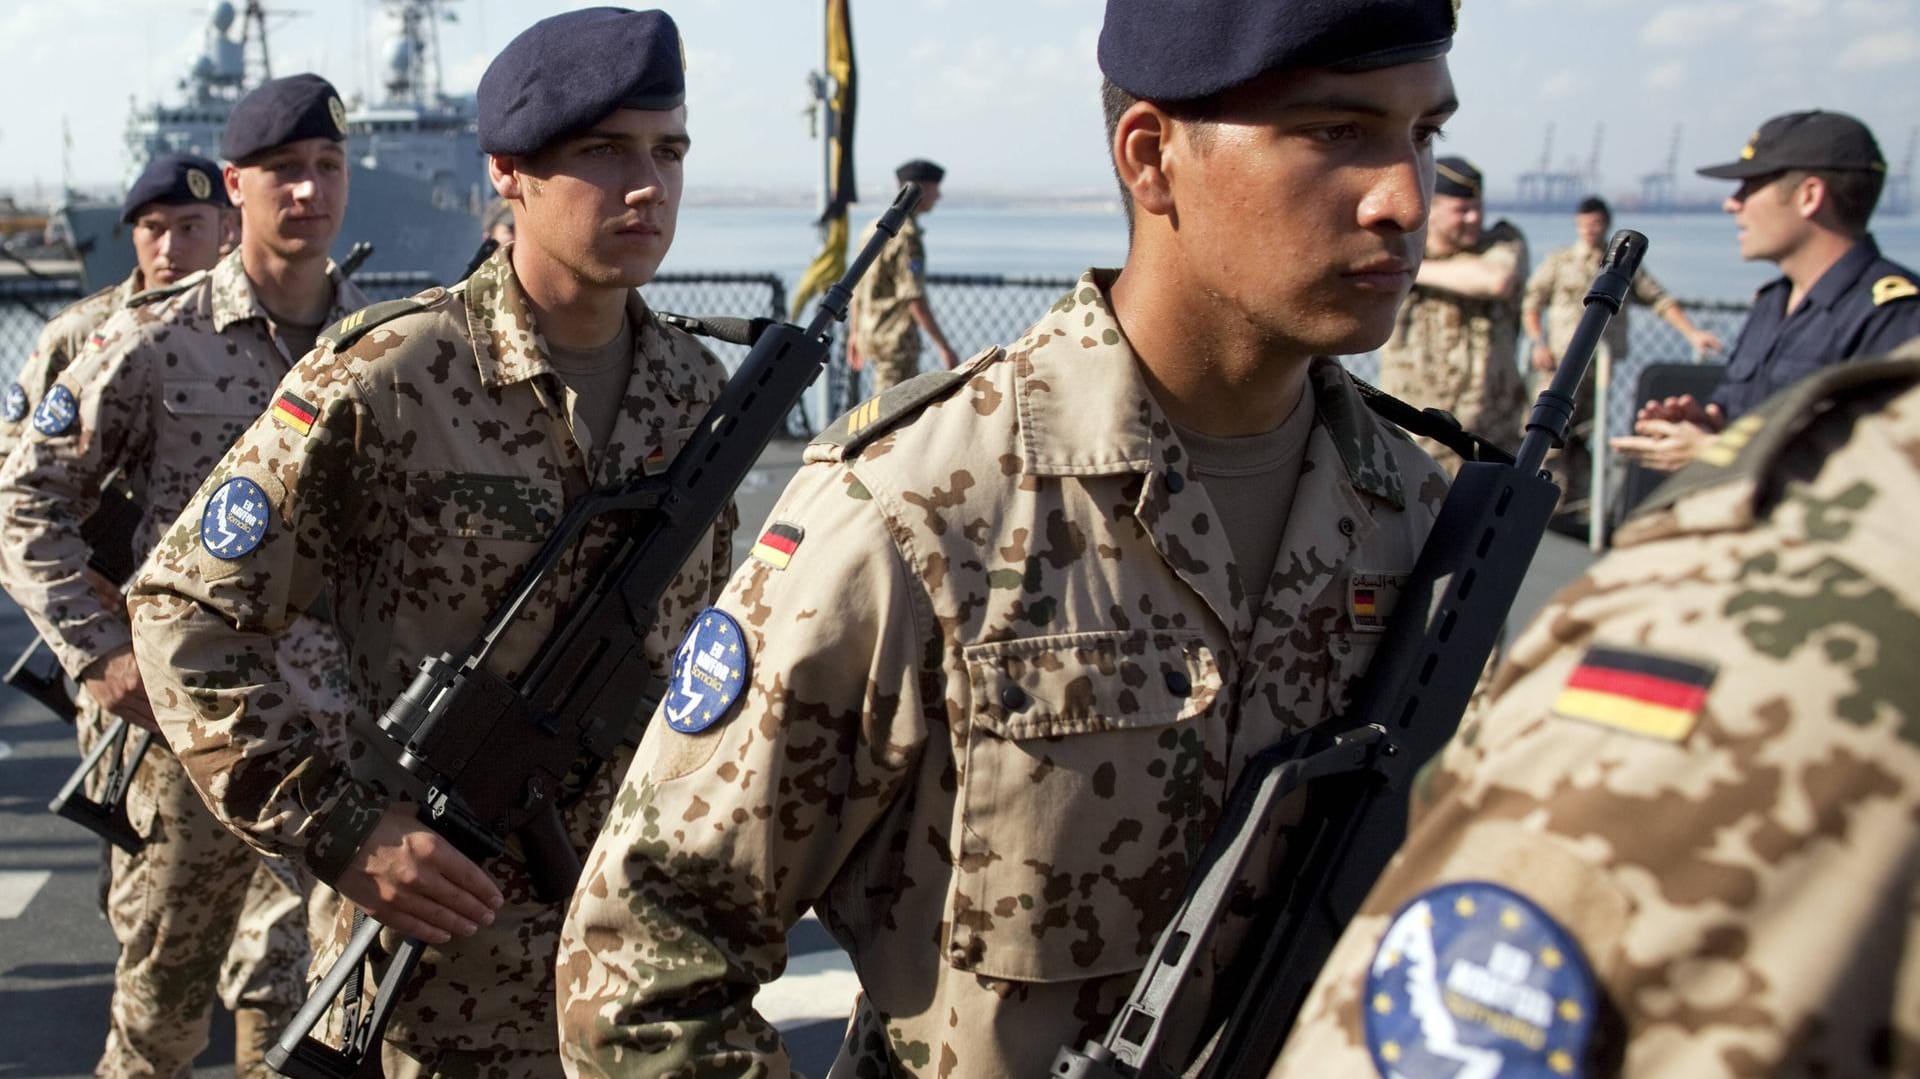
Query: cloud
(1881, 50)
(1563, 83)
(1666, 76)
(1689, 24)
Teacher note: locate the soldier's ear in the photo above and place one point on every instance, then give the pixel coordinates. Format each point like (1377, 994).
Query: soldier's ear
(230, 176)
(1140, 144)
(503, 170)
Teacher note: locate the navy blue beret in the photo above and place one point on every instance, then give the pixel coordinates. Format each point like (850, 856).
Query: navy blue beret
(920, 170)
(564, 73)
(1456, 176)
(1182, 50)
(280, 111)
(174, 180)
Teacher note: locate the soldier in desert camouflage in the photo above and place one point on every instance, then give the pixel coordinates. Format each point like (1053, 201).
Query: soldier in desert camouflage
(406, 473)
(164, 388)
(1683, 829)
(1454, 343)
(890, 309)
(1013, 630)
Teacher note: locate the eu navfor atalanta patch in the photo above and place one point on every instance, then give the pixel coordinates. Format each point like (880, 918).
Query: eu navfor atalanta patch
(15, 408)
(56, 412)
(1474, 979)
(708, 673)
(235, 520)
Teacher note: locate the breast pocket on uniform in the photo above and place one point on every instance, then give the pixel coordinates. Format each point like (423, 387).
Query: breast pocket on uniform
(212, 397)
(1093, 770)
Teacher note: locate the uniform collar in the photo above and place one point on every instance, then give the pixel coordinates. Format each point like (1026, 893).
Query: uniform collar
(1843, 275)
(234, 299)
(1085, 410)
(507, 342)
(133, 286)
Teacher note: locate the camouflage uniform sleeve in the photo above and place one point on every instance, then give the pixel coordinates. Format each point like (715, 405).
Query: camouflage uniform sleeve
(1539, 291)
(720, 840)
(1509, 250)
(206, 616)
(51, 484)
(909, 266)
(1648, 290)
(32, 379)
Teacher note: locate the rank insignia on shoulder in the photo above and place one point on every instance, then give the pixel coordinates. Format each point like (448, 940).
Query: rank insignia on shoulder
(1474, 979)
(1893, 287)
(1644, 693)
(776, 545)
(709, 671)
(56, 412)
(15, 408)
(292, 411)
(235, 520)
(1371, 598)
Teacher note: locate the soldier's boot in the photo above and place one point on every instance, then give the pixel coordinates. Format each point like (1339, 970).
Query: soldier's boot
(253, 1035)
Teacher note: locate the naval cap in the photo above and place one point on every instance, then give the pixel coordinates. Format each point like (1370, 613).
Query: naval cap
(174, 180)
(1805, 140)
(280, 111)
(919, 171)
(1458, 177)
(1182, 50)
(564, 73)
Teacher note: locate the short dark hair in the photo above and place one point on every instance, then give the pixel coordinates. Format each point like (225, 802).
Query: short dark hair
(1594, 204)
(1114, 103)
(1853, 193)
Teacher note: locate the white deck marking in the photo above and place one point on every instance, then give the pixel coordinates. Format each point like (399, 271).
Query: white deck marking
(17, 889)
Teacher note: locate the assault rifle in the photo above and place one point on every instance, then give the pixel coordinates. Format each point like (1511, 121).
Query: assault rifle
(488, 757)
(108, 533)
(1358, 767)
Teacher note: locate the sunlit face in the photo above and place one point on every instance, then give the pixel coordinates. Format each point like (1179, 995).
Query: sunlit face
(1590, 227)
(603, 204)
(292, 198)
(171, 242)
(1770, 225)
(1456, 224)
(1301, 205)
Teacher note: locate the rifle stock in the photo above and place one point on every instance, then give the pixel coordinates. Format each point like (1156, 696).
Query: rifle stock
(487, 757)
(1360, 767)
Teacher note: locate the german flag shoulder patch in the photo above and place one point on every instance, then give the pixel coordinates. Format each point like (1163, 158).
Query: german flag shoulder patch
(776, 545)
(294, 411)
(1645, 693)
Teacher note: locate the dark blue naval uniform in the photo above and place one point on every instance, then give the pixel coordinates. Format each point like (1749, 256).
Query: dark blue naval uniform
(1864, 305)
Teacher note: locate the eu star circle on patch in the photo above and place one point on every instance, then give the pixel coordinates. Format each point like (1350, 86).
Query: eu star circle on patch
(235, 520)
(1474, 979)
(15, 408)
(709, 671)
(56, 413)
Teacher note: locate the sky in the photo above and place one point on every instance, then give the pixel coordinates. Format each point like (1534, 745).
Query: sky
(1005, 92)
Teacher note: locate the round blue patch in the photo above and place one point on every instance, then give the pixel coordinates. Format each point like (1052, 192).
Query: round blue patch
(709, 671)
(1474, 979)
(15, 408)
(56, 413)
(235, 520)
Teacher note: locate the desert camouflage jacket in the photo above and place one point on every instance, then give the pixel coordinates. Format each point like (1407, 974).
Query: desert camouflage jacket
(1000, 671)
(170, 382)
(63, 337)
(1461, 354)
(1558, 291)
(407, 471)
(896, 279)
(1697, 791)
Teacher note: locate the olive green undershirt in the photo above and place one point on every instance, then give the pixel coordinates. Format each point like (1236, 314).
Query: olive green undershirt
(1251, 482)
(596, 380)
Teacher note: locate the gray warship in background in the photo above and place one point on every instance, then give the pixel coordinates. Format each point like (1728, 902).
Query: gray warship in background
(419, 180)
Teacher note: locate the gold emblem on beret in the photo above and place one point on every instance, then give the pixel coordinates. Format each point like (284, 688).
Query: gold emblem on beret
(198, 184)
(339, 113)
(1456, 16)
(1893, 287)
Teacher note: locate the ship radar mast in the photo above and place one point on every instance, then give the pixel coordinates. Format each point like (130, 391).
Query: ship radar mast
(412, 77)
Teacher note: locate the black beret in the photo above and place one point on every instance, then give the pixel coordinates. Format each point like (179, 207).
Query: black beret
(919, 171)
(1805, 140)
(174, 180)
(280, 111)
(1181, 50)
(565, 73)
(1456, 176)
